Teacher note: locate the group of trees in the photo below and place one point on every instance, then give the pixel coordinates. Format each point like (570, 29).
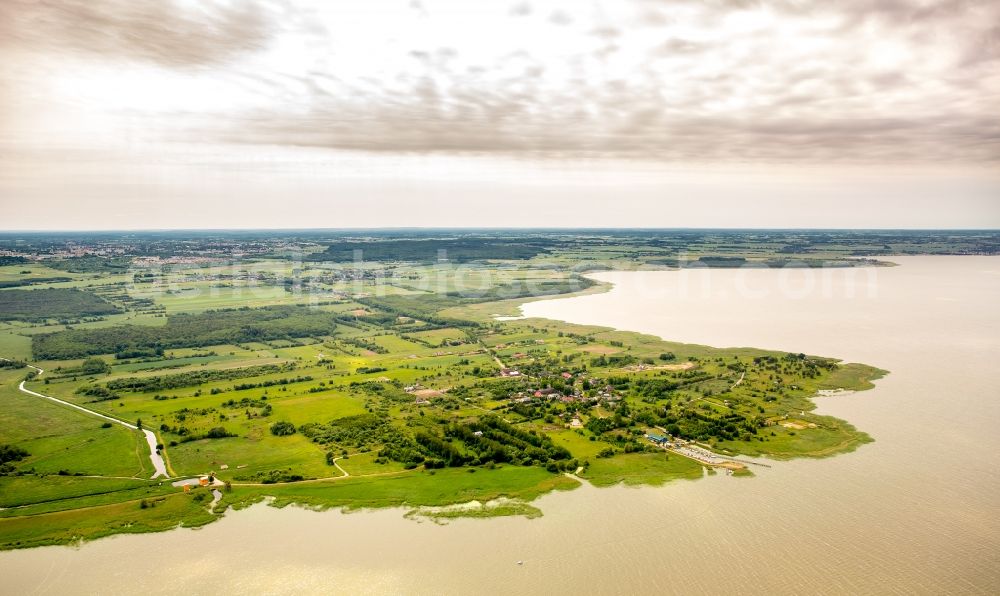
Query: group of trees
(272, 383)
(691, 424)
(9, 454)
(490, 439)
(52, 303)
(197, 377)
(93, 366)
(187, 331)
(98, 392)
(613, 361)
(357, 432)
(487, 440)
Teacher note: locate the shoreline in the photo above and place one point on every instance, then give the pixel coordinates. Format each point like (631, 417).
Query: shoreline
(628, 470)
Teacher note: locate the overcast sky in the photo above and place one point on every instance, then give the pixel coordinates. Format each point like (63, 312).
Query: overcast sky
(656, 113)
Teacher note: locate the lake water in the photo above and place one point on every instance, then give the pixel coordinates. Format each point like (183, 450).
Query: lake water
(917, 511)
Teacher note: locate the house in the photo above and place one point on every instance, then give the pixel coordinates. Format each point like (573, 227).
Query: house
(567, 375)
(657, 439)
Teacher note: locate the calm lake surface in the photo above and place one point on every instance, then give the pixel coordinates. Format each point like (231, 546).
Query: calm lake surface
(917, 511)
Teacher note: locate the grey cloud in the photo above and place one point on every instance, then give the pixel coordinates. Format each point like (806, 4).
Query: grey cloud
(162, 32)
(827, 108)
(677, 45)
(522, 9)
(606, 32)
(560, 17)
(617, 120)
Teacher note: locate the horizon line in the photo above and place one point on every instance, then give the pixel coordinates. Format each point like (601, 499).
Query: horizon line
(487, 228)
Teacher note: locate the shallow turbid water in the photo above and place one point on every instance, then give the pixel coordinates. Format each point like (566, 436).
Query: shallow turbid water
(916, 511)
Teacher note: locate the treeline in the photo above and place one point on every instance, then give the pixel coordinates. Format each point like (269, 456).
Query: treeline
(452, 250)
(197, 377)
(30, 281)
(91, 264)
(52, 303)
(187, 331)
(272, 383)
(98, 392)
(525, 289)
(364, 344)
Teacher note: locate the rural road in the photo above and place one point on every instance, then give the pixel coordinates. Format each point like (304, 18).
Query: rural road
(158, 464)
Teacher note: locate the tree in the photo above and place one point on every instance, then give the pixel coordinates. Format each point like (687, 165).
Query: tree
(138, 423)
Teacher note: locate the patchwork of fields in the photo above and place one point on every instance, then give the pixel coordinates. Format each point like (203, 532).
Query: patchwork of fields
(394, 386)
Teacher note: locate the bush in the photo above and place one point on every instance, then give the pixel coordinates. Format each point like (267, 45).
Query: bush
(218, 433)
(94, 366)
(282, 429)
(9, 453)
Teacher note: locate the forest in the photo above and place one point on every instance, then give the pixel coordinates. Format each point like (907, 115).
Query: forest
(185, 330)
(52, 303)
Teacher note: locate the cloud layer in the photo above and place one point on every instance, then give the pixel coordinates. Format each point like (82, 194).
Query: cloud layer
(707, 81)
(166, 32)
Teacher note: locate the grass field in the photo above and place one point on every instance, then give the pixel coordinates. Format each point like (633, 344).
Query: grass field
(413, 489)
(635, 469)
(66, 527)
(62, 439)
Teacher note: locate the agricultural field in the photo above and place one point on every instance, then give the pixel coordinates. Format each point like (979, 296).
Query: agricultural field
(392, 384)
